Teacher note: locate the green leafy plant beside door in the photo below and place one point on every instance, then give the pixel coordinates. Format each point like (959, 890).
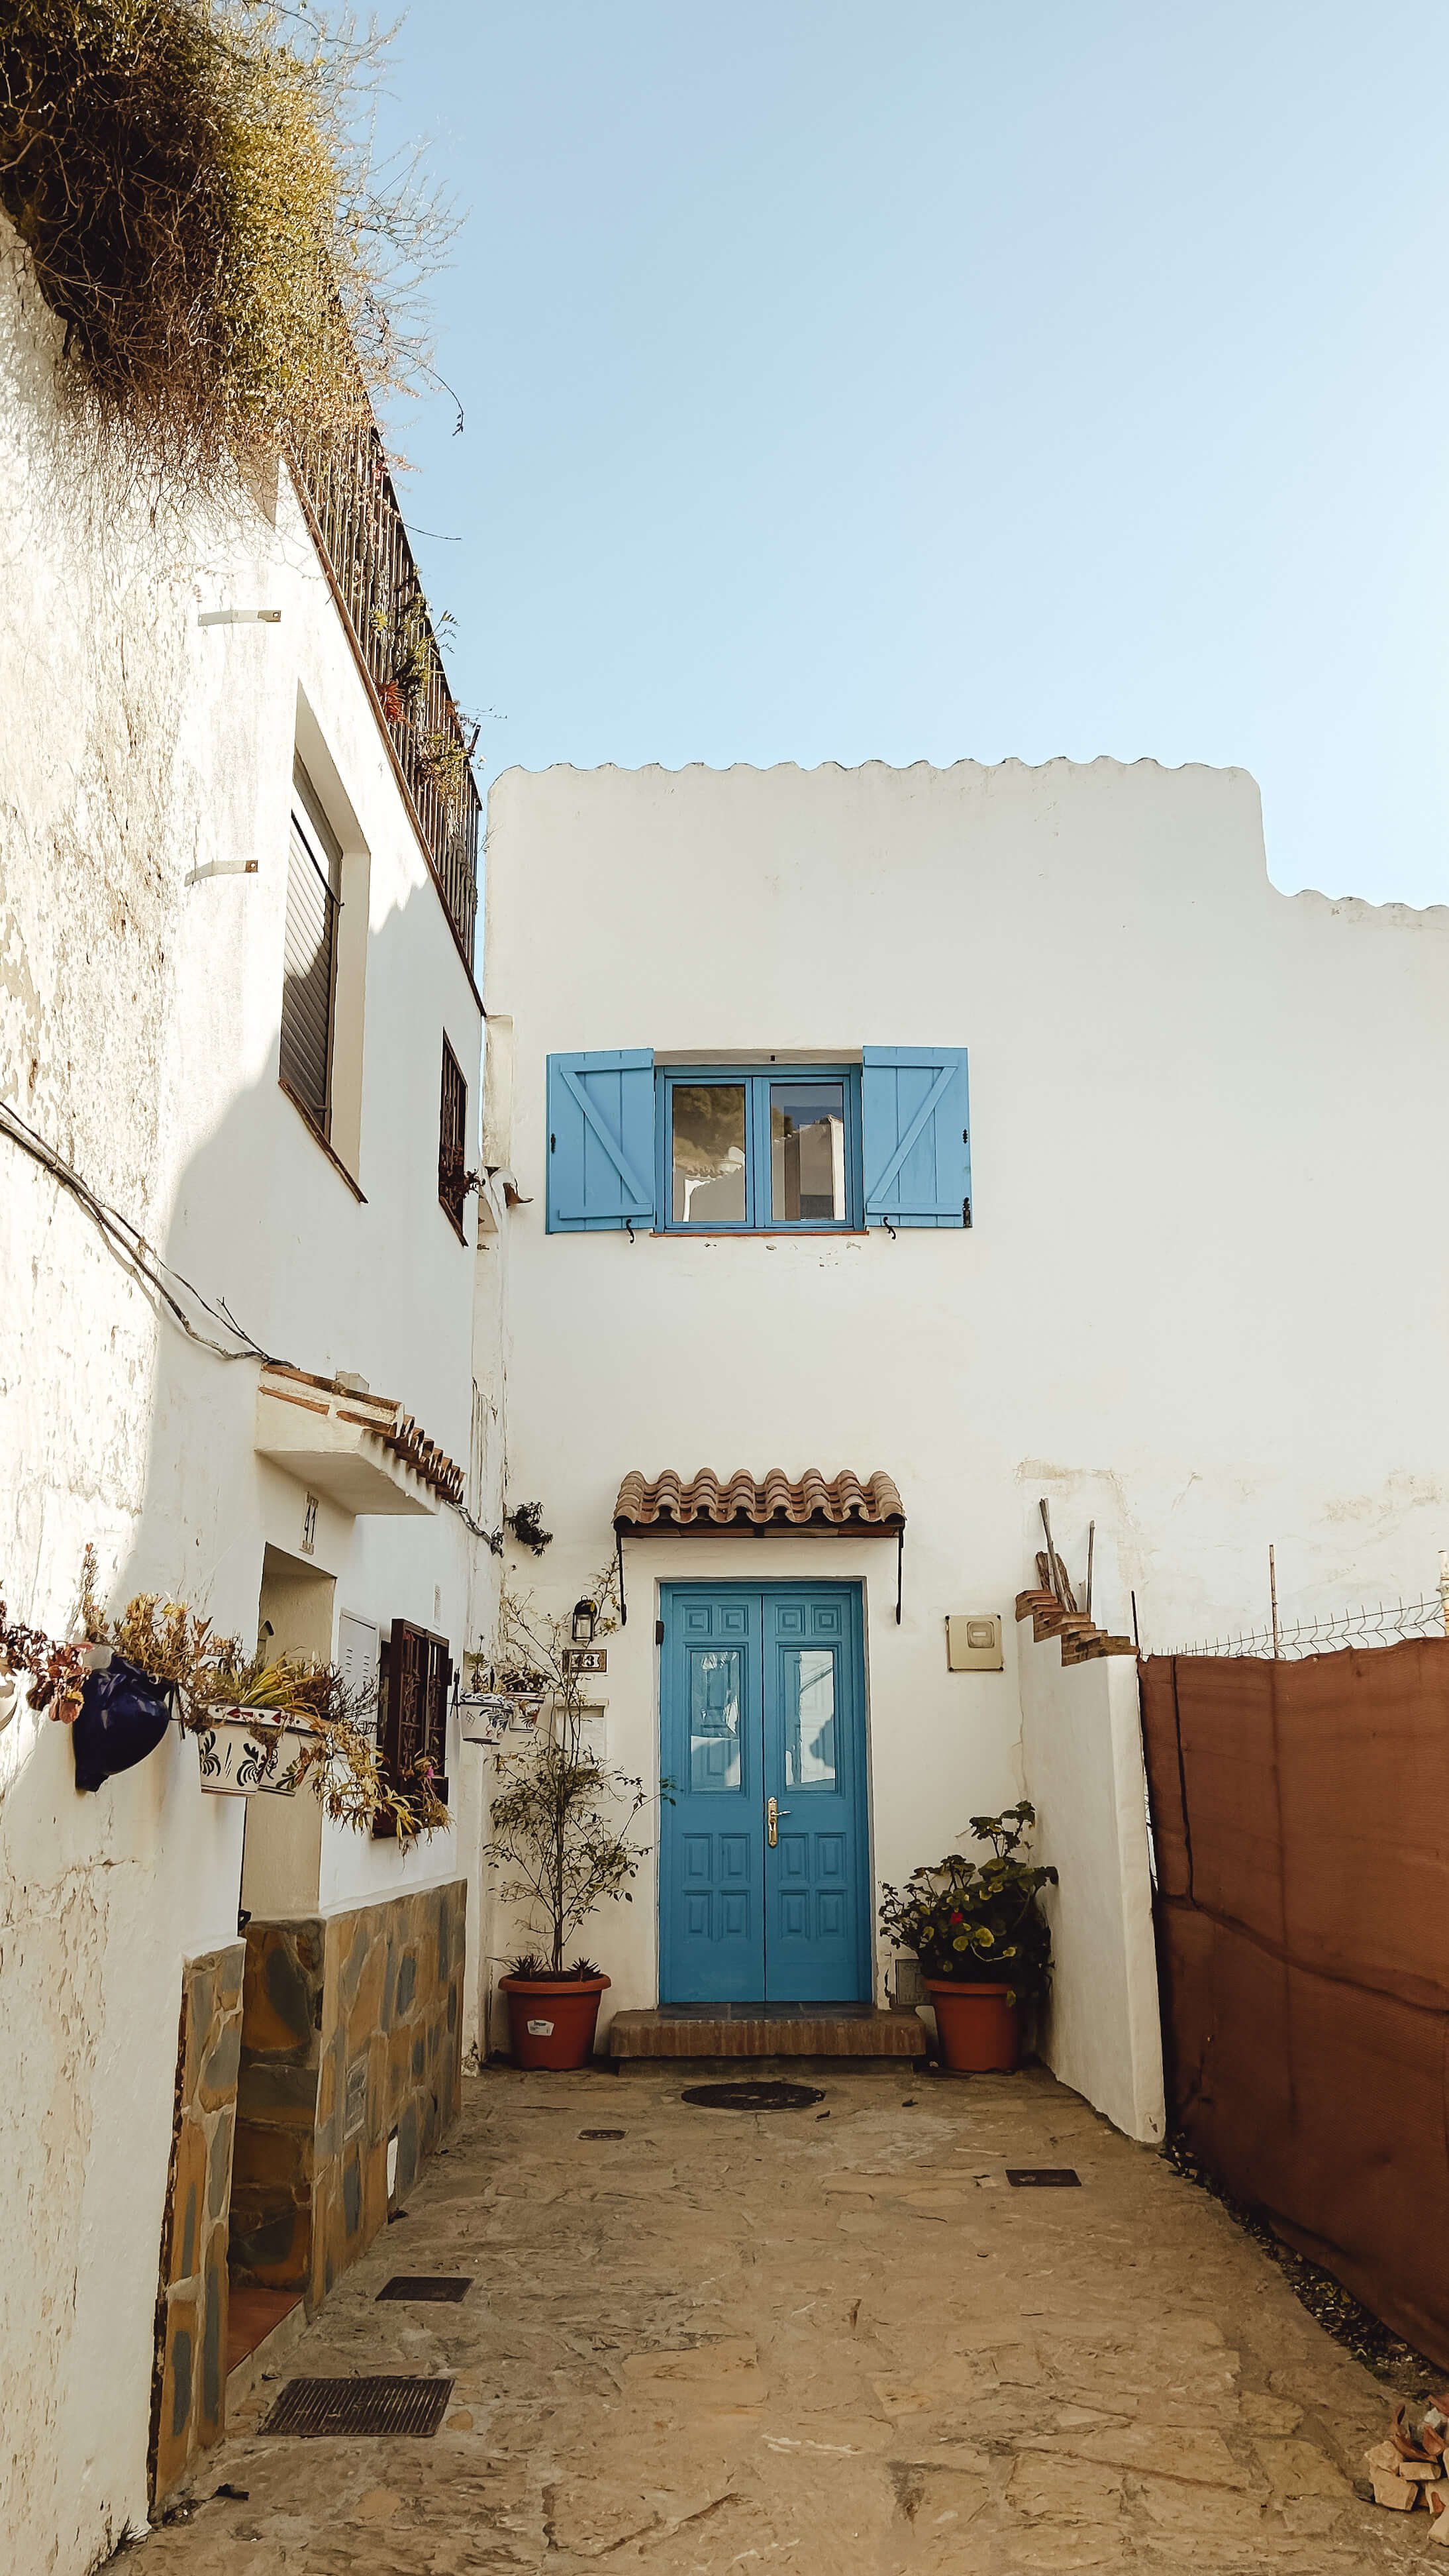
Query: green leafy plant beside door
(979, 1923)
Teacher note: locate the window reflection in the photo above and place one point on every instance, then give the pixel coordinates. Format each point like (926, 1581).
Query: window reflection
(708, 1153)
(810, 1718)
(714, 1720)
(807, 1152)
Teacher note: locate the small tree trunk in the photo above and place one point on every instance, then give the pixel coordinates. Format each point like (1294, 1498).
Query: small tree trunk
(560, 1828)
(561, 1821)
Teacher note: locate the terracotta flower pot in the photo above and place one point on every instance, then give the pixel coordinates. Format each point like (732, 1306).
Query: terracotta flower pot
(551, 2019)
(978, 2027)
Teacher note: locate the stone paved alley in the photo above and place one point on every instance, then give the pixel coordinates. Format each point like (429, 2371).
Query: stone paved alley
(725, 2342)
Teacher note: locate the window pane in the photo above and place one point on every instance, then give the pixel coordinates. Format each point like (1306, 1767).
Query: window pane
(708, 1153)
(810, 1718)
(714, 1720)
(807, 1152)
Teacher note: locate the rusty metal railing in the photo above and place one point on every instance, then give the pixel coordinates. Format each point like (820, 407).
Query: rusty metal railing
(347, 492)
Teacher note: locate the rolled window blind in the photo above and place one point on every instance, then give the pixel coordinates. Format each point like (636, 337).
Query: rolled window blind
(310, 957)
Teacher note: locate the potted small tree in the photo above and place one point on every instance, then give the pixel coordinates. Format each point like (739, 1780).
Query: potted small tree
(983, 1942)
(561, 1826)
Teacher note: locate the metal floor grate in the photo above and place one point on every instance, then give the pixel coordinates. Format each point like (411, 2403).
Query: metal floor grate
(427, 2285)
(1042, 2177)
(761, 2095)
(313, 2407)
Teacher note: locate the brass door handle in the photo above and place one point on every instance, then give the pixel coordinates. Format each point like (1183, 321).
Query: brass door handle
(773, 1812)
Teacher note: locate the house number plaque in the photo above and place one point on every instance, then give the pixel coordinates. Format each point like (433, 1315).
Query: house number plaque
(586, 1659)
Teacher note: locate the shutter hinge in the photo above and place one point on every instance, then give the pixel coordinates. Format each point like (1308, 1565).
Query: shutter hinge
(658, 1632)
(965, 1211)
(553, 1144)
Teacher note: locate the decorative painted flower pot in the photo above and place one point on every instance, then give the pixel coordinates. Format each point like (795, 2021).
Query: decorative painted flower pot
(487, 1716)
(244, 1754)
(978, 2026)
(551, 2020)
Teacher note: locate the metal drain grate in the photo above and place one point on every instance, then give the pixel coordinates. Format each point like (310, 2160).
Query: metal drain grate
(313, 2407)
(427, 2285)
(1043, 2177)
(601, 2133)
(758, 2096)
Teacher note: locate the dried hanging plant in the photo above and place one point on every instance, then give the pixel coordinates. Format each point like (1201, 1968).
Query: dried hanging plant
(170, 1642)
(195, 183)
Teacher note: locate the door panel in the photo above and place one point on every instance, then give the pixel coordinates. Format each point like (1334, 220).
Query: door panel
(816, 1926)
(763, 1695)
(712, 1931)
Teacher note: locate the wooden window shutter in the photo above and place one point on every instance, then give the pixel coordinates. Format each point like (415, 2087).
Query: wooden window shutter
(600, 1141)
(415, 1711)
(916, 1136)
(453, 1141)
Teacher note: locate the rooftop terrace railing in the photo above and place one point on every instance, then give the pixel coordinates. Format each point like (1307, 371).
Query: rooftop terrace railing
(348, 495)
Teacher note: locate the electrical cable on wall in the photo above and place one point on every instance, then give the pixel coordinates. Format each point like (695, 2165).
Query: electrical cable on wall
(133, 1252)
(129, 1245)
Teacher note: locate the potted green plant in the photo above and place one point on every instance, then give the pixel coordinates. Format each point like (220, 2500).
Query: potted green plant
(560, 1828)
(983, 1942)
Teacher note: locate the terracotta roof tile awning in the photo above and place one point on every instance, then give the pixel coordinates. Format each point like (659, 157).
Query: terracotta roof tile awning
(360, 1450)
(863, 1506)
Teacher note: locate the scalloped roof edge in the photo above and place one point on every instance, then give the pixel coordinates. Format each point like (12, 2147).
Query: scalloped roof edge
(1359, 906)
(854, 768)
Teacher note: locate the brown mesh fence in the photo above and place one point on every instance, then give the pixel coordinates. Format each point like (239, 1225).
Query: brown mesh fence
(1301, 1820)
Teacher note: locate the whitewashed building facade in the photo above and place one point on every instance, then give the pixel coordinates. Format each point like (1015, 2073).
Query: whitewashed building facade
(1002, 1134)
(239, 1070)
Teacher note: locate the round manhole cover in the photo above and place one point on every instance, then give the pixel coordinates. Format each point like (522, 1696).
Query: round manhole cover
(759, 2096)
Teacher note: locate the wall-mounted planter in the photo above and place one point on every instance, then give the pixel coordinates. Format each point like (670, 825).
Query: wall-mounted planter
(245, 1754)
(490, 1715)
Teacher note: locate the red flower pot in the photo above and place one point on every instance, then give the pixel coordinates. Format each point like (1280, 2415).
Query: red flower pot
(551, 2019)
(978, 2026)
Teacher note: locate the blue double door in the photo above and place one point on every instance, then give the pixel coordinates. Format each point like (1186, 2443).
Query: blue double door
(764, 1880)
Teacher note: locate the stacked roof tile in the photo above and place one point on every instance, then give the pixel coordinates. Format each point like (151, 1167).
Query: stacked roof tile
(771, 1501)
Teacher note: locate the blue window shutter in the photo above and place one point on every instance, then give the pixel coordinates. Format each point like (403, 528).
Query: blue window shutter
(916, 1132)
(600, 1141)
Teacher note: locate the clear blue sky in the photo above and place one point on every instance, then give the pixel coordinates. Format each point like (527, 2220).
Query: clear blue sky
(903, 379)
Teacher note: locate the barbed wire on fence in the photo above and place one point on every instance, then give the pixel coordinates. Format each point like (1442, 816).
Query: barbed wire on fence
(1390, 1624)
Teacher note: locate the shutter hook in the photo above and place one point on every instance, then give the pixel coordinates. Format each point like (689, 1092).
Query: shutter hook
(890, 1229)
(629, 1227)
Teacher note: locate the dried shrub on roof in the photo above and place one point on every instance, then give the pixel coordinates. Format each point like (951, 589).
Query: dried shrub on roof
(194, 183)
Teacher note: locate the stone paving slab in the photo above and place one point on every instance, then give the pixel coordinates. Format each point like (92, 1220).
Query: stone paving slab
(828, 2343)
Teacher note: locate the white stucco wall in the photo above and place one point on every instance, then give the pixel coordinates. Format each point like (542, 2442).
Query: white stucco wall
(1202, 1300)
(1082, 1757)
(139, 1014)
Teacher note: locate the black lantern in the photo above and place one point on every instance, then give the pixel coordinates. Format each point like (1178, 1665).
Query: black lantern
(586, 1619)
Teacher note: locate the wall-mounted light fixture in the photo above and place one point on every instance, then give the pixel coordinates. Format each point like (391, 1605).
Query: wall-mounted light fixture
(586, 1620)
